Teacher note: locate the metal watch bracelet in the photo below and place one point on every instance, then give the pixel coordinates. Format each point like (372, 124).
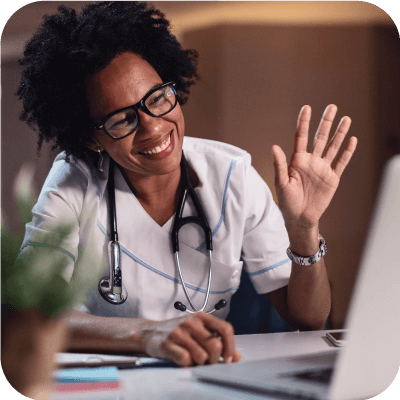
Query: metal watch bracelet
(310, 260)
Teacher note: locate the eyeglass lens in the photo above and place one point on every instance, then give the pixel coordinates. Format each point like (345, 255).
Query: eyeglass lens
(160, 102)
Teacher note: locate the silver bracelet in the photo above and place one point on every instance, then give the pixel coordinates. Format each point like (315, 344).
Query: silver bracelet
(300, 260)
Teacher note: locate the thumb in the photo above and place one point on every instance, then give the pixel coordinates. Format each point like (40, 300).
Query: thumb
(280, 166)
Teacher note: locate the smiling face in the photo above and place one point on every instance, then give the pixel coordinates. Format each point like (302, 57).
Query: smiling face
(155, 147)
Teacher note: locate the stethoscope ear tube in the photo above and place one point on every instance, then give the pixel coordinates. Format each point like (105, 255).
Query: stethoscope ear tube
(200, 219)
(181, 306)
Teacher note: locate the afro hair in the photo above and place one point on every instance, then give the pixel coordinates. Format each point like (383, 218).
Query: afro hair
(68, 48)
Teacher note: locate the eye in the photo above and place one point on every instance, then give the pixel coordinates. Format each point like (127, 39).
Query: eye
(119, 123)
(122, 120)
(159, 97)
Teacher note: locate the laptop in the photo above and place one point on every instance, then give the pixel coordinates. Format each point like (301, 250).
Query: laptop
(370, 359)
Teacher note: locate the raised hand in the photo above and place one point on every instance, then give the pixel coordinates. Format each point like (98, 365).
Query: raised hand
(306, 186)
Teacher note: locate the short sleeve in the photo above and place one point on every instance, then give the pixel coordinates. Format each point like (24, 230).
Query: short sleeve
(53, 234)
(265, 237)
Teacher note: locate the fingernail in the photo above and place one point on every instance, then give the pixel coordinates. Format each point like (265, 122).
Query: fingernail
(228, 360)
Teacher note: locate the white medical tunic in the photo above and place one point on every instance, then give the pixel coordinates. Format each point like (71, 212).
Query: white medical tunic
(247, 228)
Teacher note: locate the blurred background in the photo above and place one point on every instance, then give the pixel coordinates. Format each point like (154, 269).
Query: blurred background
(260, 62)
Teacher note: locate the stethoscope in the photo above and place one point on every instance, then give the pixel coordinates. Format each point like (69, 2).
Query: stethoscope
(111, 287)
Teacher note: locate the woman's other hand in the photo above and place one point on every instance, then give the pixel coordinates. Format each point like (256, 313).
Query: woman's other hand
(193, 339)
(306, 186)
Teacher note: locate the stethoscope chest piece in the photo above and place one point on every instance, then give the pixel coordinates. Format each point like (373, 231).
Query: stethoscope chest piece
(116, 295)
(111, 287)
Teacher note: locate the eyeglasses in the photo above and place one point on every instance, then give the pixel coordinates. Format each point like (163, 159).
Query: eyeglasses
(158, 102)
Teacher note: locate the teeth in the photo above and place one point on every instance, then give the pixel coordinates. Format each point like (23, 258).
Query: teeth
(160, 148)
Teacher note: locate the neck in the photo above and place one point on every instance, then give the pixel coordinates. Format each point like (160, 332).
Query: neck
(158, 194)
(152, 187)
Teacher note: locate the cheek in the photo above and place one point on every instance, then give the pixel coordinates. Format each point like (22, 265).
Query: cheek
(179, 119)
(120, 149)
(110, 146)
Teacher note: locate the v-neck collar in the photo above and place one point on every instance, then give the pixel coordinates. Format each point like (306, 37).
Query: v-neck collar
(130, 212)
(122, 185)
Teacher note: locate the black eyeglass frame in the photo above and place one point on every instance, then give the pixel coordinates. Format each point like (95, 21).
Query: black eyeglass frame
(140, 104)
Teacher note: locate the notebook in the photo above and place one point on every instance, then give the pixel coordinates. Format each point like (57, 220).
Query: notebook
(369, 361)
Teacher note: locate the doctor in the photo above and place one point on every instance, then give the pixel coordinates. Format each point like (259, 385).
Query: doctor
(99, 67)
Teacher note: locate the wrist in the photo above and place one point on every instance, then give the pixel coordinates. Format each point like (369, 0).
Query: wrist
(304, 242)
(309, 260)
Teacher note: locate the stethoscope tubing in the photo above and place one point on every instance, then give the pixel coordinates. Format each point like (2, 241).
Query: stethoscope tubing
(112, 289)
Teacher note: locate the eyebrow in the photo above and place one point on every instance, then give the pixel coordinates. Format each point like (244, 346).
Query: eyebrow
(154, 87)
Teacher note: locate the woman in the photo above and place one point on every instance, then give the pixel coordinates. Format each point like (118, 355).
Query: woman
(108, 87)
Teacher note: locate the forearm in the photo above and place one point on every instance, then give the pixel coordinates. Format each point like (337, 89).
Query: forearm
(104, 334)
(308, 297)
(308, 294)
(184, 340)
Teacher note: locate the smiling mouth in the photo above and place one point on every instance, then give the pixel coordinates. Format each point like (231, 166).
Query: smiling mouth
(158, 149)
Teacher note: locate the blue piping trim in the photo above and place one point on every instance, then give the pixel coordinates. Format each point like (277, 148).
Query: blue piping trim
(197, 289)
(261, 271)
(37, 244)
(171, 278)
(224, 197)
(99, 224)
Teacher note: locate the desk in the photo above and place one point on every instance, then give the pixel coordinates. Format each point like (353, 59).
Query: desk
(178, 383)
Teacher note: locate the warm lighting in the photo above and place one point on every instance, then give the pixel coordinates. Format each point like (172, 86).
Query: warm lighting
(194, 15)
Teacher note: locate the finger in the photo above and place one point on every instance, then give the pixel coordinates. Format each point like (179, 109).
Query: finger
(303, 124)
(212, 344)
(337, 140)
(210, 341)
(345, 157)
(176, 353)
(280, 166)
(322, 135)
(182, 338)
(226, 331)
(236, 356)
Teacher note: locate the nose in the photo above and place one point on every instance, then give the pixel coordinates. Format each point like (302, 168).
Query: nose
(148, 123)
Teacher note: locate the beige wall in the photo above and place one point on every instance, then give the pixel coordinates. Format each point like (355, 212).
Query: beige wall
(255, 79)
(260, 62)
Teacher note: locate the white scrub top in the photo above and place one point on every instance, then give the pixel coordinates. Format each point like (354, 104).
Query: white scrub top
(247, 227)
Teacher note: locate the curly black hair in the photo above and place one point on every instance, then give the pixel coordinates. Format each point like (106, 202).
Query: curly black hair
(68, 48)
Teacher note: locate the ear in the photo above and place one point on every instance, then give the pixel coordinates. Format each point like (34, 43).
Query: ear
(94, 145)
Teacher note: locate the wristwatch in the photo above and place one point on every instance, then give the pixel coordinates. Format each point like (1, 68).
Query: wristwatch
(310, 260)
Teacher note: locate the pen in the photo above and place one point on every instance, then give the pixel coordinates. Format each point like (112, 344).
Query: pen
(97, 361)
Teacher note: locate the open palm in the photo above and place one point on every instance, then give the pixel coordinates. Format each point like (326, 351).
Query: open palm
(306, 186)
